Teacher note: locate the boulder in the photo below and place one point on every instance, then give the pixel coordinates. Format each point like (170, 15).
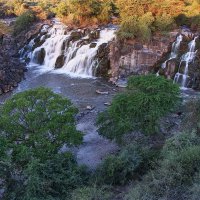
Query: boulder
(76, 35)
(94, 35)
(60, 61)
(40, 55)
(102, 50)
(93, 45)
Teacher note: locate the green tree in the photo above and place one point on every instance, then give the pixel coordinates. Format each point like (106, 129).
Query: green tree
(34, 126)
(147, 99)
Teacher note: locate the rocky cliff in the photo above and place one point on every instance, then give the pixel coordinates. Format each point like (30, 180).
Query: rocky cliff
(135, 57)
(11, 70)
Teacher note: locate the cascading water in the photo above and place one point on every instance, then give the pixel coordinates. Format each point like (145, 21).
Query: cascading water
(186, 59)
(70, 52)
(174, 52)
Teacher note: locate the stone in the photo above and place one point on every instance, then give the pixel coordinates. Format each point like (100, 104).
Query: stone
(93, 45)
(94, 35)
(102, 50)
(102, 92)
(103, 61)
(2, 75)
(136, 57)
(76, 35)
(107, 104)
(90, 107)
(40, 56)
(60, 61)
(121, 83)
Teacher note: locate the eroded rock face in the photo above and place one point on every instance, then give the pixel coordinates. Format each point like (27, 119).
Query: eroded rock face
(134, 57)
(184, 67)
(103, 60)
(11, 69)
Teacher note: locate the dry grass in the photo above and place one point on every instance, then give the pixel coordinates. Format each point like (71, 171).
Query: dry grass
(5, 29)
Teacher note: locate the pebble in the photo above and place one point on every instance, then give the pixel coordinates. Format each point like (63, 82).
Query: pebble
(102, 92)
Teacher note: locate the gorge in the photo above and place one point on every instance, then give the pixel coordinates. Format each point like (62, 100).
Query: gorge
(99, 99)
(68, 62)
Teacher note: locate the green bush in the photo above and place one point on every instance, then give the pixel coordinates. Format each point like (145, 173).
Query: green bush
(91, 193)
(136, 27)
(55, 178)
(23, 22)
(192, 115)
(174, 174)
(163, 22)
(194, 191)
(128, 164)
(181, 141)
(147, 99)
(118, 169)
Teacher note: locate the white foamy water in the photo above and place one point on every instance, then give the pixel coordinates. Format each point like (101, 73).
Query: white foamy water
(80, 60)
(186, 59)
(174, 52)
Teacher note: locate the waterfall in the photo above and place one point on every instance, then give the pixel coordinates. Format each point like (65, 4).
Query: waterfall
(70, 52)
(174, 51)
(186, 59)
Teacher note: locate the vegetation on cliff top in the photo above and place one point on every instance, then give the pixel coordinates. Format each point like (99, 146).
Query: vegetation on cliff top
(137, 19)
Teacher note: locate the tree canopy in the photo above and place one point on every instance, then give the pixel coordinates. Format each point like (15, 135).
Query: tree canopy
(34, 126)
(147, 99)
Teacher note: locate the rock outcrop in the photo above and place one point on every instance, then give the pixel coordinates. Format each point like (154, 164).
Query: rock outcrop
(103, 61)
(134, 57)
(60, 61)
(11, 70)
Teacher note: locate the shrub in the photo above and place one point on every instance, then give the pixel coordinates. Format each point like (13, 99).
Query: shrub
(136, 27)
(128, 164)
(147, 99)
(181, 141)
(23, 22)
(163, 22)
(91, 193)
(195, 188)
(174, 174)
(192, 115)
(61, 9)
(55, 178)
